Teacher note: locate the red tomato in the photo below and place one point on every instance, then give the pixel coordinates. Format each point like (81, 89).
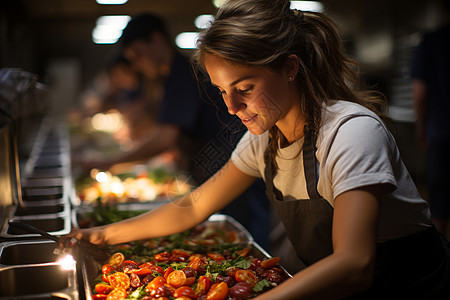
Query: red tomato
(184, 291)
(243, 252)
(203, 285)
(190, 281)
(99, 297)
(183, 298)
(101, 288)
(116, 259)
(135, 280)
(219, 291)
(119, 280)
(246, 276)
(105, 278)
(142, 271)
(107, 268)
(158, 269)
(146, 265)
(269, 263)
(127, 265)
(197, 263)
(216, 256)
(190, 272)
(155, 283)
(177, 278)
(162, 257)
(168, 271)
(179, 255)
(117, 294)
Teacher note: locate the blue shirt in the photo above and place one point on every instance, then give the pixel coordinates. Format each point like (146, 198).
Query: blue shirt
(431, 64)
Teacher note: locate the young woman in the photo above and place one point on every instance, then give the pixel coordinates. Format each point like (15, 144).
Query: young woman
(331, 166)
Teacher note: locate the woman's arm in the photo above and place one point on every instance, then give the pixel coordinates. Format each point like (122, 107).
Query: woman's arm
(178, 215)
(350, 267)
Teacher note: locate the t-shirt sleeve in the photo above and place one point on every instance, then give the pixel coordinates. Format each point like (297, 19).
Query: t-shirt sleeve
(246, 155)
(361, 154)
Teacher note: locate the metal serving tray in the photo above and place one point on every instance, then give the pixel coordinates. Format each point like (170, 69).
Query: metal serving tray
(28, 270)
(90, 269)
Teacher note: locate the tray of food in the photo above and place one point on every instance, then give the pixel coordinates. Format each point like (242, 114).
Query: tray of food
(151, 185)
(217, 259)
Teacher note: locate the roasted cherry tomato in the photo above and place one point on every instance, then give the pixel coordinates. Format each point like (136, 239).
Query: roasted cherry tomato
(127, 266)
(105, 278)
(117, 294)
(243, 252)
(99, 297)
(168, 271)
(185, 291)
(269, 263)
(216, 256)
(177, 278)
(163, 291)
(203, 286)
(241, 290)
(116, 259)
(101, 288)
(135, 280)
(157, 269)
(179, 255)
(219, 291)
(119, 280)
(142, 271)
(107, 268)
(190, 272)
(197, 263)
(163, 257)
(190, 281)
(246, 276)
(155, 283)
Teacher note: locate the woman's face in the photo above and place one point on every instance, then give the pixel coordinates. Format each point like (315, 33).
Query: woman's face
(259, 96)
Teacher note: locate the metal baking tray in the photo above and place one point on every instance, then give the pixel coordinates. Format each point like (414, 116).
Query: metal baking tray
(28, 270)
(90, 269)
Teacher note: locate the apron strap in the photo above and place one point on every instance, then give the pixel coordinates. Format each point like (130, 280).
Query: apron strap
(309, 165)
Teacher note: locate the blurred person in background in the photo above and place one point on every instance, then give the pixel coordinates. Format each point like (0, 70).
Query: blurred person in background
(431, 93)
(190, 114)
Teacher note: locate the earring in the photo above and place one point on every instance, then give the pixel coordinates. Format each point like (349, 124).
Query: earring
(290, 78)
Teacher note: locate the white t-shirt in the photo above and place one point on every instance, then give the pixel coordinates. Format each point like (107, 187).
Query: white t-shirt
(354, 149)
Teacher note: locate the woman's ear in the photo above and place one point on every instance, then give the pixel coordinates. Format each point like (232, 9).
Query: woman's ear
(291, 67)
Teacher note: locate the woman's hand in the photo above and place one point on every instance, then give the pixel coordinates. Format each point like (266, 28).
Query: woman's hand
(93, 235)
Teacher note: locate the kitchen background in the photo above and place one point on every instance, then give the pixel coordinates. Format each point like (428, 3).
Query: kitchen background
(54, 39)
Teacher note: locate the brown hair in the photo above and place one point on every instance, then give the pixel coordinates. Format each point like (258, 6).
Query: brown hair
(266, 32)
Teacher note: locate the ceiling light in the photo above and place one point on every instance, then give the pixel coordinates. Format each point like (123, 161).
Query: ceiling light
(109, 29)
(203, 21)
(307, 5)
(187, 40)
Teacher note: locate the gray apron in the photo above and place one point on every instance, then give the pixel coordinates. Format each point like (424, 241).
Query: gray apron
(412, 267)
(307, 221)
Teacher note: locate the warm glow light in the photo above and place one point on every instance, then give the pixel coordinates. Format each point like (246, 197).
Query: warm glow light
(109, 29)
(102, 177)
(110, 122)
(67, 262)
(112, 2)
(203, 21)
(187, 40)
(307, 5)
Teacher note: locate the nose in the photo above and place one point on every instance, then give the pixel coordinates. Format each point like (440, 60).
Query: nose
(234, 104)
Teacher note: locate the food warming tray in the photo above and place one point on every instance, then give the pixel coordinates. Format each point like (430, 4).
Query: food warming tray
(90, 269)
(28, 270)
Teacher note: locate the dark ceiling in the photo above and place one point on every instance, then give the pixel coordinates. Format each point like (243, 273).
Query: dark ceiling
(35, 32)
